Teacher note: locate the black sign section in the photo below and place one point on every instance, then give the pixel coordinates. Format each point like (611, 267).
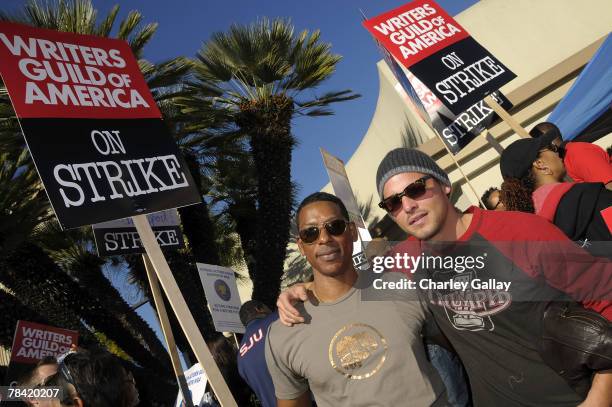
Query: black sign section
(116, 241)
(458, 131)
(462, 74)
(98, 170)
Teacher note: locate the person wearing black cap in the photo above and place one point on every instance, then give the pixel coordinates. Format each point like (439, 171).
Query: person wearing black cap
(584, 162)
(533, 173)
(494, 330)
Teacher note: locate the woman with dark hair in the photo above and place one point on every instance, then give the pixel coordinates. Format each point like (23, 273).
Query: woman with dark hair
(584, 162)
(94, 379)
(533, 174)
(224, 353)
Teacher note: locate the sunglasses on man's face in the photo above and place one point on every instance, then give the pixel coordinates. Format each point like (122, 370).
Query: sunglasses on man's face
(334, 228)
(413, 191)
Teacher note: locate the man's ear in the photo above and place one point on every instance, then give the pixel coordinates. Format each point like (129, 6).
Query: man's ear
(300, 245)
(78, 402)
(447, 190)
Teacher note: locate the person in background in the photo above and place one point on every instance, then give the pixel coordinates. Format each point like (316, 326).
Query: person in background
(256, 317)
(533, 173)
(94, 379)
(492, 200)
(224, 353)
(584, 162)
(43, 369)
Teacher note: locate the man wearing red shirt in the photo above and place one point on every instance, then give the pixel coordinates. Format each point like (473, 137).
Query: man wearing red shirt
(494, 331)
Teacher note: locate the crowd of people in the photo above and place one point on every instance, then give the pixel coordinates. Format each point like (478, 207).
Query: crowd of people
(546, 340)
(83, 379)
(353, 337)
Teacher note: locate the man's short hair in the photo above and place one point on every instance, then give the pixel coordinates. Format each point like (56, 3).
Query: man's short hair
(485, 197)
(251, 310)
(543, 128)
(98, 377)
(321, 197)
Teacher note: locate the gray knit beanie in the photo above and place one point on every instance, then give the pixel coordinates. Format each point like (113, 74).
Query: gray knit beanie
(408, 160)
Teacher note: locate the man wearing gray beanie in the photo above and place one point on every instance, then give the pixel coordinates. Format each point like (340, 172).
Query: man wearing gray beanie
(408, 160)
(496, 339)
(526, 262)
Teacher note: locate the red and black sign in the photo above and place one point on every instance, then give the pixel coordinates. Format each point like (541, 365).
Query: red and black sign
(441, 53)
(92, 126)
(33, 342)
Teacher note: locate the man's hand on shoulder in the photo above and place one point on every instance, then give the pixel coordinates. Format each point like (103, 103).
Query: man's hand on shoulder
(287, 313)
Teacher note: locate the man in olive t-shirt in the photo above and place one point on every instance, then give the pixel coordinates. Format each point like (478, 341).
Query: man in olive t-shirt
(351, 351)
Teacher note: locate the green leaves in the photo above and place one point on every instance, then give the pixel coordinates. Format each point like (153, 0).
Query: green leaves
(264, 59)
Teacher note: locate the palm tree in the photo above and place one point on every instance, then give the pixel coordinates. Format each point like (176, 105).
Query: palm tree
(72, 251)
(258, 73)
(39, 280)
(234, 195)
(81, 17)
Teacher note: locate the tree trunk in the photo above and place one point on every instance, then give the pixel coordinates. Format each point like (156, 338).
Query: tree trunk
(268, 124)
(243, 212)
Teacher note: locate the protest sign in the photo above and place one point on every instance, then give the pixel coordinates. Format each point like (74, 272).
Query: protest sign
(342, 189)
(196, 382)
(222, 296)
(92, 126)
(457, 131)
(33, 342)
(440, 52)
(120, 236)
(406, 89)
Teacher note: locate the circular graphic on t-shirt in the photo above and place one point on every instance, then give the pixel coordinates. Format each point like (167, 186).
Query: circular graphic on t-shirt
(223, 290)
(358, 351)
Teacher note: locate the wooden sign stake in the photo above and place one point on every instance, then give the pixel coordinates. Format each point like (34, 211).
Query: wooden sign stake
(494, 143)
(167, 331)
(179, 306)
(501, 112)
(460, 169)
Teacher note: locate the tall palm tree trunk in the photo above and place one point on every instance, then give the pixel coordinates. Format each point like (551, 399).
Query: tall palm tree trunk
(244, 214)
(269, 127)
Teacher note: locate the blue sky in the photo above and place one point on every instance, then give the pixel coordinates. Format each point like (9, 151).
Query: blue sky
(185, 24)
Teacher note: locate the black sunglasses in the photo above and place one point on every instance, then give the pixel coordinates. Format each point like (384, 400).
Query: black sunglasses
(334, 227)
(555, 149)
(413, 191)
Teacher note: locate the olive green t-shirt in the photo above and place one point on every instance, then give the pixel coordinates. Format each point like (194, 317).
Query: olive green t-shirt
(355, 352)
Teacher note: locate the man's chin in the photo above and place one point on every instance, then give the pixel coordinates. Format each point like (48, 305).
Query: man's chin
(423, 233)
(329, 270)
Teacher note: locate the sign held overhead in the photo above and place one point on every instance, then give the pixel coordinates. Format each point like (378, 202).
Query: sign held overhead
(91, 124)
(440, 52)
